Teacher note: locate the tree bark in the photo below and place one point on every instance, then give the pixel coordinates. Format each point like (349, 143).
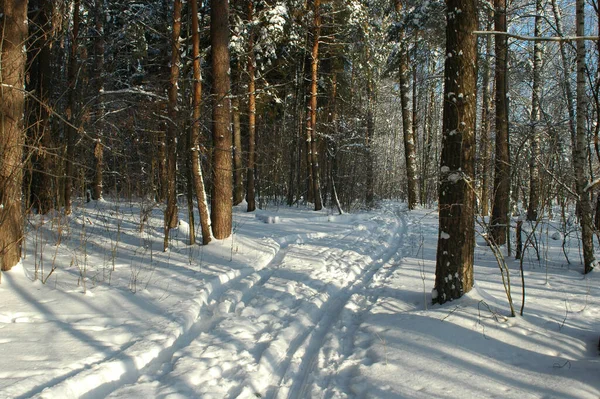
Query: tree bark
(13, 22)
(580, 147)
(221, 200)
(499, 222)
(534, 171)
(251, 173)
(456, 240)
(172, 126)
(485, 130)
(312, 125)
(71, 131)
(194, 145)
(407, 117)
(238, 175)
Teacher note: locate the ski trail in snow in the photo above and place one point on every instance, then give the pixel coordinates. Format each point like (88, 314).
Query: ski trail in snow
(302, 369)
(230, 295)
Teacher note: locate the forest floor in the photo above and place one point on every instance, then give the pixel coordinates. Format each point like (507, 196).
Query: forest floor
(297, 304)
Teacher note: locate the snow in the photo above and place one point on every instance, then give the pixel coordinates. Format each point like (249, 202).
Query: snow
(297, 304)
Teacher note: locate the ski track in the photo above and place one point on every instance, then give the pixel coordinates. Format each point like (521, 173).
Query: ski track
(300, 332)
(224, 299)
(301, 385)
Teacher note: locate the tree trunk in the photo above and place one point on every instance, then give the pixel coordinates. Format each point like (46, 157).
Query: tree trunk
(580, 147)
(221, 201)
(499, 222)
(251, 173)
(407, 117)
(172, 127)
(40, 82)
(312, 126)
(534, 178)
(456, 240)
(485, 129)
(566, 71)
(71, 130)
(238, 175)
(98, 82)
(369, 138)
(13, 22)
(194, 145)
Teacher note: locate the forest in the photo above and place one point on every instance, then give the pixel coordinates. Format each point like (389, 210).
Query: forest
(337, 104)
(286, 198)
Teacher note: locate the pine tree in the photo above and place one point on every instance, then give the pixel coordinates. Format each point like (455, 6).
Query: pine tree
(456, 242)
(13, 19)
(221, 199)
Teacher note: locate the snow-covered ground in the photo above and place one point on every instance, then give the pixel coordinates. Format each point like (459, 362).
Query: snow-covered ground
(297, 304)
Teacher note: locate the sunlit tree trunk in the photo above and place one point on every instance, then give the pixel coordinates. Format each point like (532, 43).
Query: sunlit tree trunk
(499, 222)
(194, 145)
(238, 174)
(13, 22)
(456, 241)
(251, 172)
(221, 199)
(312, 124)
(172, 126)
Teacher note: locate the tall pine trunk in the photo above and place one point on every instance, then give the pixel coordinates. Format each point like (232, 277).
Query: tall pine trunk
(456, 240)
(194, 145)
(499, 222)
(221, 200)
(251, 172)
(172, 127)
(312, 125)
(13, 22)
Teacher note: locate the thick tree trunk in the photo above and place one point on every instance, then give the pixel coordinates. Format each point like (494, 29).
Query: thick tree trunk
(172, 126)
(98, 82)
(194, 146)
(251, 173)
(534, 178)
(42, 194)
(221, 200)
(499, 222)
(13, 22)
(71, 130)
(456, 240)
(312, 126)
(580, 147)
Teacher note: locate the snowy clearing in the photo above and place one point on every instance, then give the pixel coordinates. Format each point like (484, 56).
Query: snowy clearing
(297, 304)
